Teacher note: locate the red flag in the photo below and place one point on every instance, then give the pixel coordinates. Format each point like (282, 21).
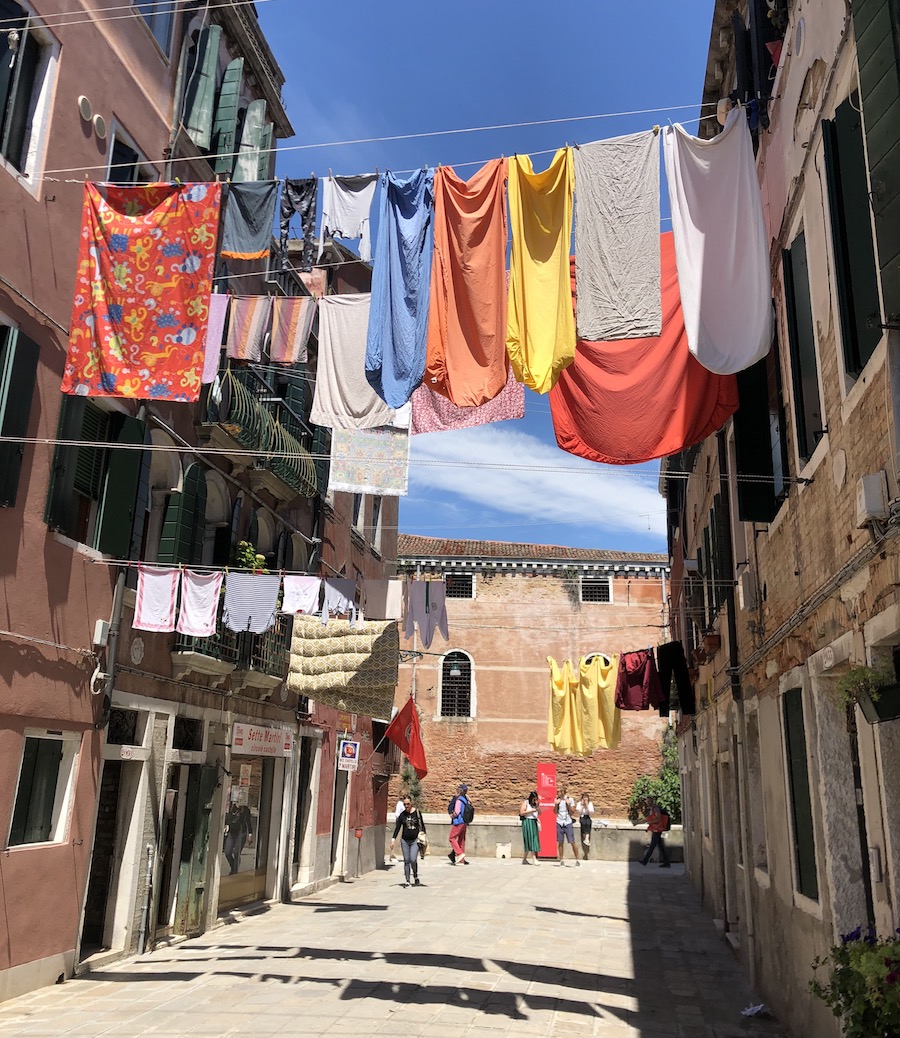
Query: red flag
(404, 732)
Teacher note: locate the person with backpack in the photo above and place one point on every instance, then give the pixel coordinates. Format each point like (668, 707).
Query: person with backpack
(461, 813)
(657, 823)
(410, 827)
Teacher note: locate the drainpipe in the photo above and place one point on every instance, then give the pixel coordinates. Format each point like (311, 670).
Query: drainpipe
(145, 908)
(115, 623)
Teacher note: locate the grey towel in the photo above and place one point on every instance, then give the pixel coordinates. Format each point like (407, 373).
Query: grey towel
(249, 219)
(617, 238)
(343, 398)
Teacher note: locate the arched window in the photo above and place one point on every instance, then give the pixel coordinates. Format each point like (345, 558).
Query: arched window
(457, 687)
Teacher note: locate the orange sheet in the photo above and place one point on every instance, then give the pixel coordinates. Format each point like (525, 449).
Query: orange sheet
(634, 400)
(466, 359)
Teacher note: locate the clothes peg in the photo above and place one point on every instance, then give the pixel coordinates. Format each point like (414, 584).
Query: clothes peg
(656, 130)
(330, 177)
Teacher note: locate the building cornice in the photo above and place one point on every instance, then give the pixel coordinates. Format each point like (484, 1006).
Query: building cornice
(537, 566)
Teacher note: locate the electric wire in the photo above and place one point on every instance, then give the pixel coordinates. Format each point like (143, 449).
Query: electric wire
(65, 19)
(421, 135)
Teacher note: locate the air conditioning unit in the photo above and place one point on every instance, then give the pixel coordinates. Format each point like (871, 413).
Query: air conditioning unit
(871, 499)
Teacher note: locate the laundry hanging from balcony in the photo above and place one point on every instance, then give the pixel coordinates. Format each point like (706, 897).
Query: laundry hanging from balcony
(350, 669)
(143, 283)
(156, 599)
(301, 594)
(158, 593)
(251, 600)
(383, 599)
(199, 603)
(721, 245)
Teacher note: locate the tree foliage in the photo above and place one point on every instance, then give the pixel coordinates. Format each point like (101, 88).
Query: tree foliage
(664, 787)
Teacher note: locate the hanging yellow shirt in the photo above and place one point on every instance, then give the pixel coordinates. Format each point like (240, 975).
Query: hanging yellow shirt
(609, 715)
(540, 320)
(563, 729)
(588, 702)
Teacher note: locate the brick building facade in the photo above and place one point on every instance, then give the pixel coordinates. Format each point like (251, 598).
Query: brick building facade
(484, 692)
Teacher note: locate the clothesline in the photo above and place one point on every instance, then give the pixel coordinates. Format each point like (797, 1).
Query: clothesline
(425, 462)
(59, 19)
(412, 136)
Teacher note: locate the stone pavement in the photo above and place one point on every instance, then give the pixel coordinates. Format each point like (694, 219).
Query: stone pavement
(609, 949)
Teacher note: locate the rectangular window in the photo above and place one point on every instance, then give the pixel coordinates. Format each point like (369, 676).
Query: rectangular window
(358, 510)
(851, 235)
(376, 522)
(460, 585)
(44, 789)
(95, 488)
(596, 589)
(18, 366)
(127, 165)
(801, 334)
(805, 876)
(23, 70)
(159, 18)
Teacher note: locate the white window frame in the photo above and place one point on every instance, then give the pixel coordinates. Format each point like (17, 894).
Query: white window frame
(65, 785)
(40, 108)
(119, 133)
(461, 598)
(595, 576)
(472, 693)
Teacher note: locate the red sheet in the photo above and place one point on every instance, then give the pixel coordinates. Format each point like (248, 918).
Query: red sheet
(634, 400)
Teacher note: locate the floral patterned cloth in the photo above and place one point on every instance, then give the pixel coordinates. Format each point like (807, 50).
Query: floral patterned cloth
(142, 291)
(370, 461)
(432, 412)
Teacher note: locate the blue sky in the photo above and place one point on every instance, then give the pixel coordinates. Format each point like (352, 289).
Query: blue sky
(354, 72)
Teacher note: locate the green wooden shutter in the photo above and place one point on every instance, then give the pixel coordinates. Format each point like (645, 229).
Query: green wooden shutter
(36, 793)
(876, 24)
(801, 802)
(804, 365)
(142, 501)
(116, 513)
(756, 501)
(184, 521)
(851, 235)
(224, 134)
(247, 165)
(265, 155)
(62, 504)
(201, 89)
(18, 365)
(321, 445)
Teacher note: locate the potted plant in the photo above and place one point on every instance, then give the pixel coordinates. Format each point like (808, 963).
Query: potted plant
(875, 689)
(711, 642)
(864, 986)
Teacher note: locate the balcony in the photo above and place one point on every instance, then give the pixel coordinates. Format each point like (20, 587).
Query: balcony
(248, 414)
(256, 662)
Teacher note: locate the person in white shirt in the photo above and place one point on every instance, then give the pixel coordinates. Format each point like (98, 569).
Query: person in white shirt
(398, 810)
(565, 828)
(585, 811)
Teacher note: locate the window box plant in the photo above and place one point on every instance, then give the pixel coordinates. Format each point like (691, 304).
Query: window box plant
(864, 986)
(875, 689)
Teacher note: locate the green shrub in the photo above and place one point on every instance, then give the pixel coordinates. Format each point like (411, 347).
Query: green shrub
(864, 986)
(664, 787)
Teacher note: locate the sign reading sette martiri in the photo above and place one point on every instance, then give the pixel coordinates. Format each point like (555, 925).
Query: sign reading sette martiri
(262, 742)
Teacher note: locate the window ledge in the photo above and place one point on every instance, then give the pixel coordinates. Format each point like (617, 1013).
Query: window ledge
(816, 458)
(762, 878)
(453, 720)
(864, 380)
(81, 549)
(807, 905)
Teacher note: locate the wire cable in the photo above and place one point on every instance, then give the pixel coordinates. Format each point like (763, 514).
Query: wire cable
(64, 19)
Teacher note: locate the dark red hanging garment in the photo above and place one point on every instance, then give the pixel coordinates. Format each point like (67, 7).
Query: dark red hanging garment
(638, 686)
(633, 400)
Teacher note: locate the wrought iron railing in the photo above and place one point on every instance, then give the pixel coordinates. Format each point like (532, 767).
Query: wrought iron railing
(267, 652)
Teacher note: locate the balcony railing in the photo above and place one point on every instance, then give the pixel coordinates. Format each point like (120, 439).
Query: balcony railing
(253, 414)
(266, 653)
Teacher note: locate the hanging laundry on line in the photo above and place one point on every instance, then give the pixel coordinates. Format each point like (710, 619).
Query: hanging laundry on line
(251, 600)
(346, 210)
(369, 461)
(432, 412)
(301, 595)
(249, 218)
(300, 197)
(426, 608)
(292, 321)
(218, 313)
(247, 327)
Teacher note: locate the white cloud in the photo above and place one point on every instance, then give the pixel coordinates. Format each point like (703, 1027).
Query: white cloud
(592, 495)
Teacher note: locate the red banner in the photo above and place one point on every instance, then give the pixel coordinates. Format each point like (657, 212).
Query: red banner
(546, 791)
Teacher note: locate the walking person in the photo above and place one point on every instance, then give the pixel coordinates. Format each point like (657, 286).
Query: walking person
(462, 813)
(657, 824)
(565, 828)
(410, 824)
(238, 831)
(398, 810)
(585, 810)
(531, 827)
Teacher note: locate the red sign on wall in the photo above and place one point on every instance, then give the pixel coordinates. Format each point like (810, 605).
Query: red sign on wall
(546, 791)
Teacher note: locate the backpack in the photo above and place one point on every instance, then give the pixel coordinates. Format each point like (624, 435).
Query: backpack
(668, 819)
(468, 813)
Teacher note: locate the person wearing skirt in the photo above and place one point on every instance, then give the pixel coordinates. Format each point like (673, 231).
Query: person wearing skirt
(528, 812)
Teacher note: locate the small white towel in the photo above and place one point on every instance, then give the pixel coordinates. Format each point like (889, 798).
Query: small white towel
(301, 594)
(383, 599)
(157, 592)
(199, 603)
(250, 601)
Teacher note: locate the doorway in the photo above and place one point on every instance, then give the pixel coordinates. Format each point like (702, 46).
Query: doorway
(93, 930)
(338, 822)
(304, 801)
(244, 846)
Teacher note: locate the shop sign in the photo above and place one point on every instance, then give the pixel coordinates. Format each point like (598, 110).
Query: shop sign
(257, 741)
(546, 791)
(348, 755)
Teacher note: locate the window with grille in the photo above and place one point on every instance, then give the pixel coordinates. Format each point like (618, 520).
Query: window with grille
(596, 589)
(187, 734)
(456, 685)
(460, 585)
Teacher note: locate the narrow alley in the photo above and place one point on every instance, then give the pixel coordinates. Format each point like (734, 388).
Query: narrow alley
(608, 949)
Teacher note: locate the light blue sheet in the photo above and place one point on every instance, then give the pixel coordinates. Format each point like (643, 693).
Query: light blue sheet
(401, 282)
